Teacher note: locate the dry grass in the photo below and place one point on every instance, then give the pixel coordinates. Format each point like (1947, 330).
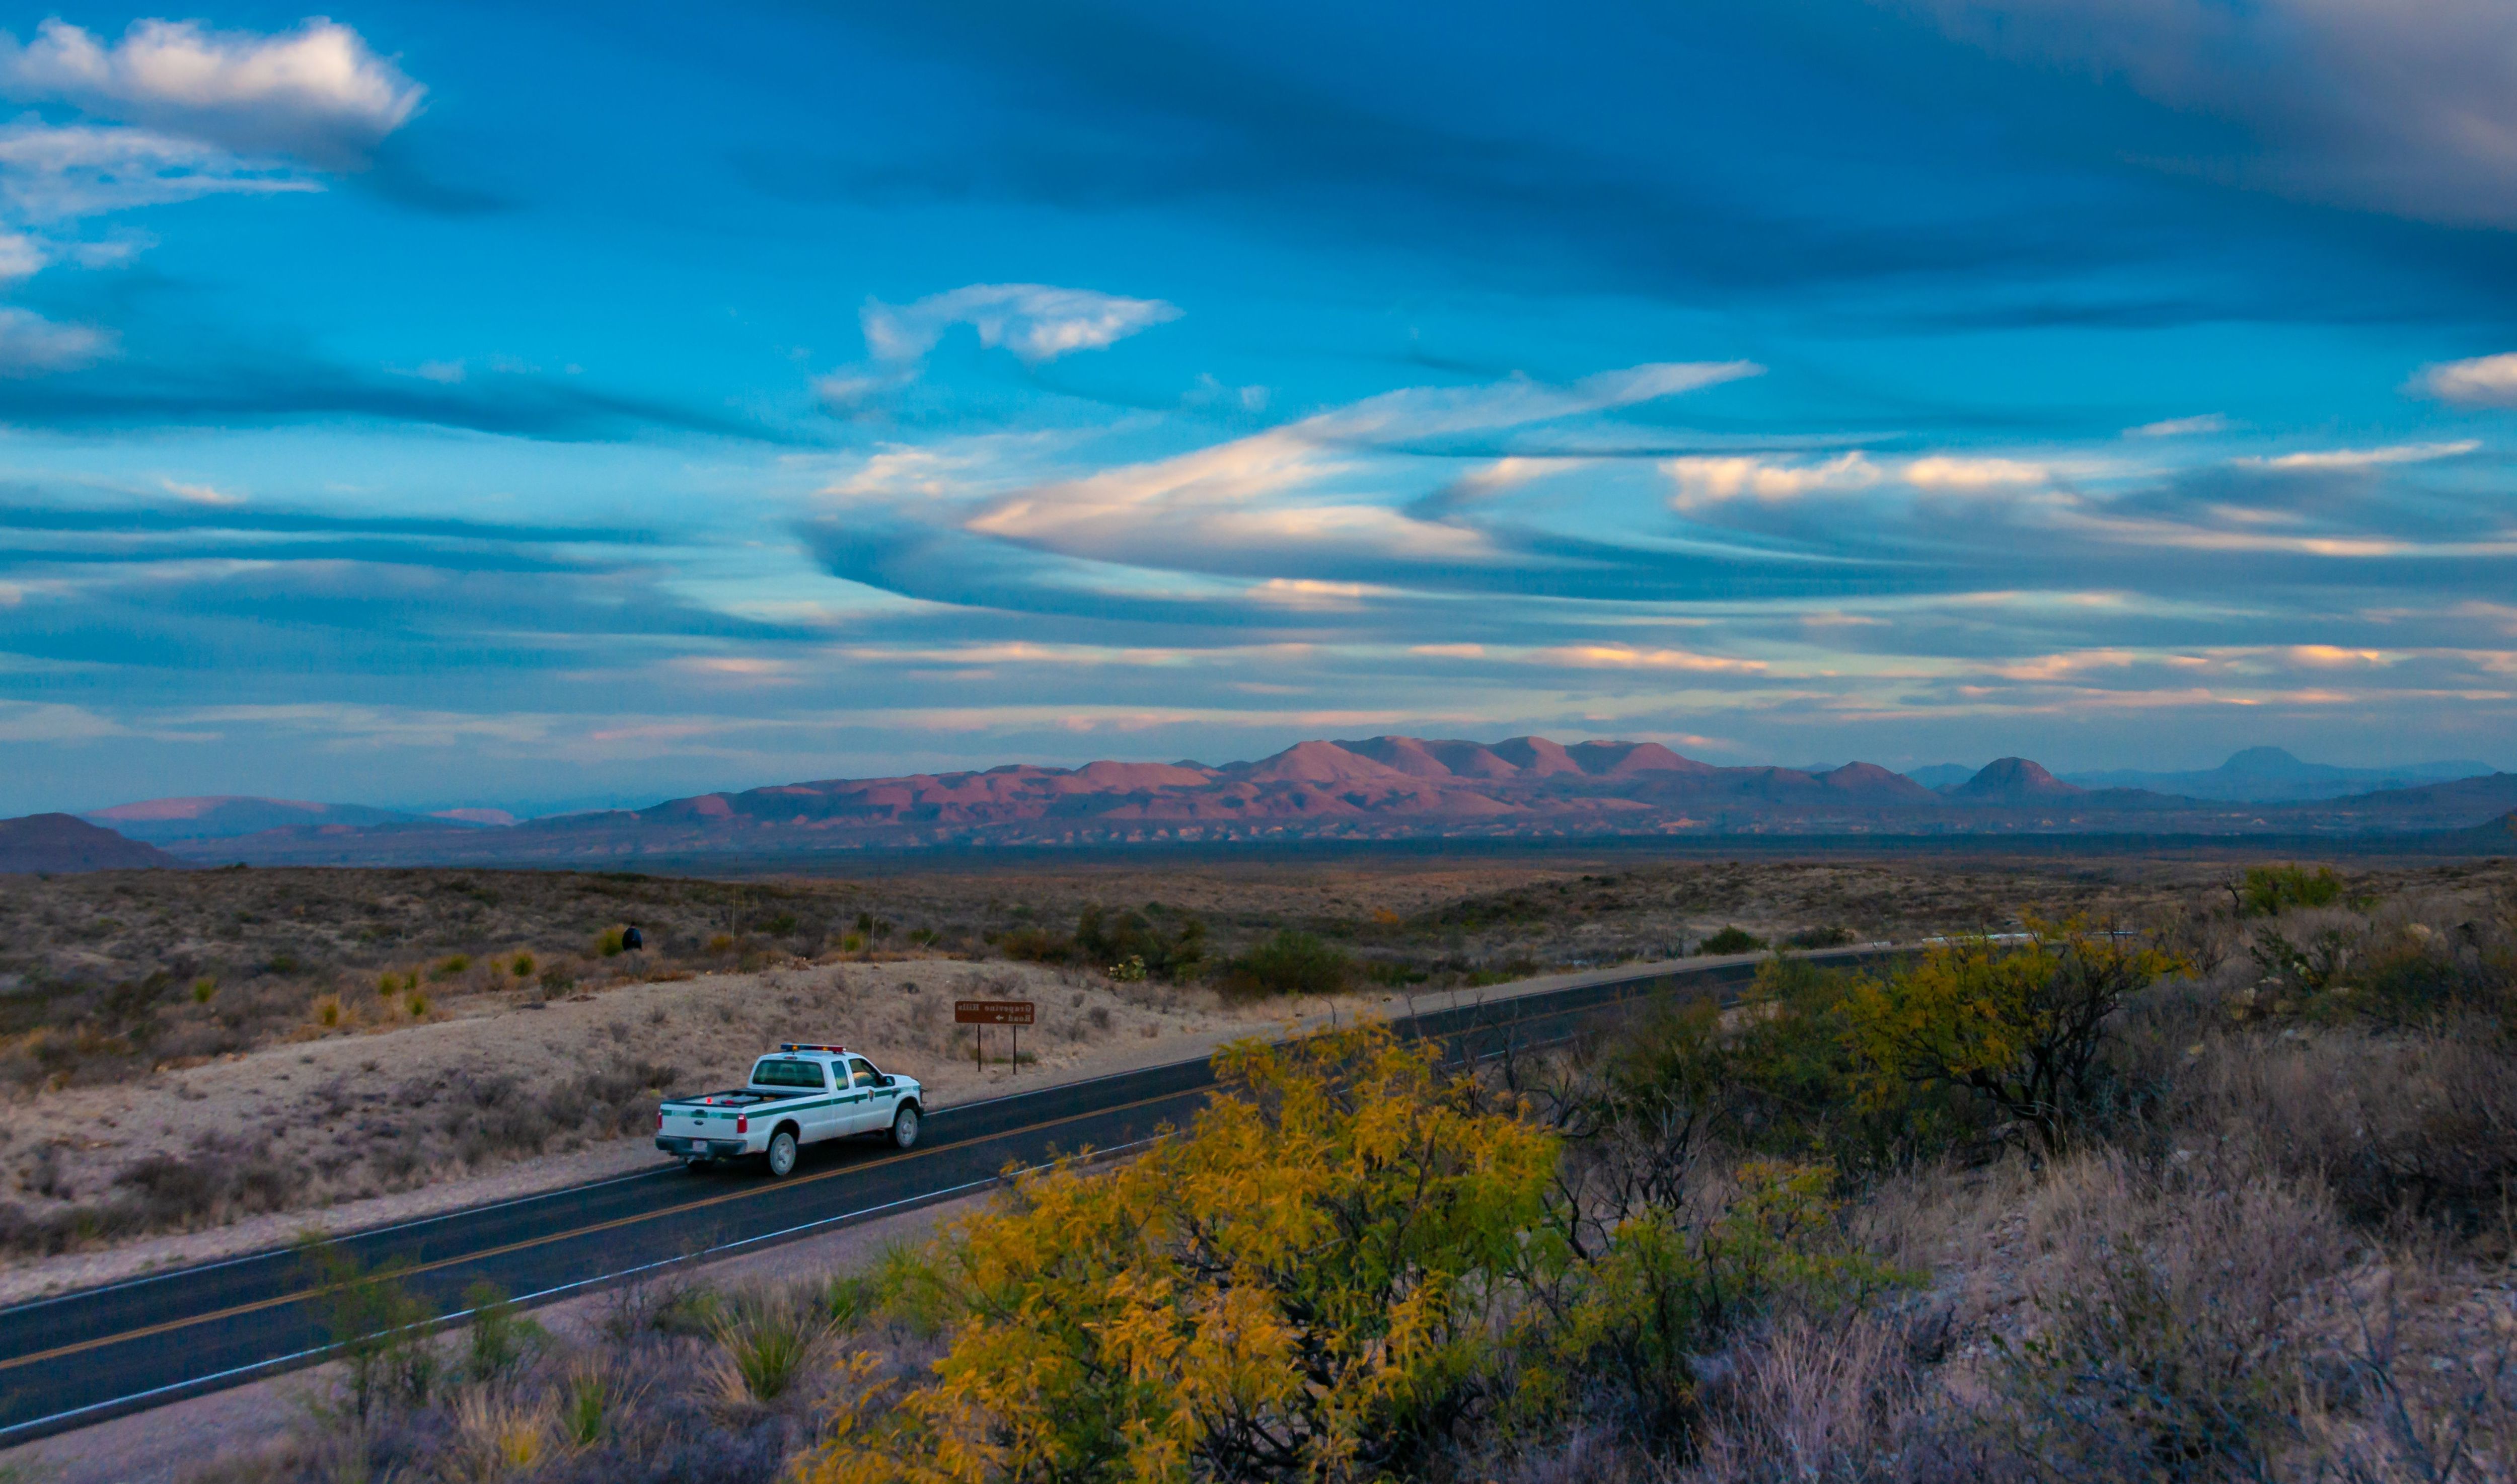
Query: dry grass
(2278, 1249)
(106, 974)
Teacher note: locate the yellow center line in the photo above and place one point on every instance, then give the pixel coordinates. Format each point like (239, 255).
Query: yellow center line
(169, 1326)
(80, 1348)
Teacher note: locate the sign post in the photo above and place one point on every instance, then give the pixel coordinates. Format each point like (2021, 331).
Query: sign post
(1014, 1014)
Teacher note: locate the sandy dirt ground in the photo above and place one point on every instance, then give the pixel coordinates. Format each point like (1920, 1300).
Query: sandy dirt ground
(349, 1103)
(171, 1443)
(352, 1110)
(167, 1443)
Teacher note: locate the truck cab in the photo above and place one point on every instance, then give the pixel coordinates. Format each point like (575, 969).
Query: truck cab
(801, 1093)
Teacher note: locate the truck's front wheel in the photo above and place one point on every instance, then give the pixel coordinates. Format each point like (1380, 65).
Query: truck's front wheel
(904, 1126)
(781, 1154)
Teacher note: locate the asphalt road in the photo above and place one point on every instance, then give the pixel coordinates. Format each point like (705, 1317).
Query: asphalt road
(82, 1357)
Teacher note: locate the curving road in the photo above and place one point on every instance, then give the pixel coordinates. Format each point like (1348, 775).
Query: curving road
(80, 1358)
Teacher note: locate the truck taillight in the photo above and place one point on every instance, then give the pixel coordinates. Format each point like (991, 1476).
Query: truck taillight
(659, 1121)
(741, 1125)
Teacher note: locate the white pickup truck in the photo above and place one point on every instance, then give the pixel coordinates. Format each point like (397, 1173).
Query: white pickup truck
(798, 1094)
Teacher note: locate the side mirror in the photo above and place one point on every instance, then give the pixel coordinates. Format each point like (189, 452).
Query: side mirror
(886, 1080)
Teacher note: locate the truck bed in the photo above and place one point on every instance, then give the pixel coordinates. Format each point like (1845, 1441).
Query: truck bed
(740, 1097)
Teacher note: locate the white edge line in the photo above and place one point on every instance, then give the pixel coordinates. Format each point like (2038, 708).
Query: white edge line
(1622, 973)
(442, 1321)
(263, 1254)
(930, 1196)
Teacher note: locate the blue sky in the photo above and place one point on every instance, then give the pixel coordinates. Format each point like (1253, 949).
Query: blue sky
(533, 407)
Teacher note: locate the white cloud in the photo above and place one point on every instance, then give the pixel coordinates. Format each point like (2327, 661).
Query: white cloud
(201, 494)
(2485, 381)
(1942, 471)
(1249, 494)
(2361, 458)
(20, 256)
(2405, 107)
(317, 93)
(32, 344)
(1712, 481)
(1626, 657)
(1035, 320)
(1705, 481)
(2181, 427)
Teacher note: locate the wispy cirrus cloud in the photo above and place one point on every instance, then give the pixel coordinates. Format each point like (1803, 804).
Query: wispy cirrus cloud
(1038, 323)
(2361, 458)
(2181, 427)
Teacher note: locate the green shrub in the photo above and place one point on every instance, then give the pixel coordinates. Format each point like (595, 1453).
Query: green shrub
(501, 1340)
(1105, 938)
(1731, 939)
(2019, 1028)
(2268, 891)
(1289, 964)
(450, 965)
(1035, 945)
(522, 967)
(1778, 1079)
(375, 1324)
(764, 1342)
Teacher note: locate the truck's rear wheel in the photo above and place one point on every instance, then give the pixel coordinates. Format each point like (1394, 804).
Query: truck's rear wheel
(904, 1126)
(781, 1154)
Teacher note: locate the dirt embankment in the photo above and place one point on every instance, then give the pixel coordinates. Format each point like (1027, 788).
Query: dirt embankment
(506, 1096)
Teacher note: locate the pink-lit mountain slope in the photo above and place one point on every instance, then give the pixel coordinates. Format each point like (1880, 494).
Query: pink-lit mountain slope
(1380, 788)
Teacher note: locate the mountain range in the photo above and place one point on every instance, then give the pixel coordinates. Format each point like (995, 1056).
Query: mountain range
(2268, 775)
(224, 817)
(1378, 788)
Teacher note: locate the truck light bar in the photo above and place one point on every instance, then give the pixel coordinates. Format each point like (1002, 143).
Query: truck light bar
(798, 1046)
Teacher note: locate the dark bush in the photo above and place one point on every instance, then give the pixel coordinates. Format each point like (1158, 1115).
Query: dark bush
(1037, 945)
(1731, 939)
(2268, 891)
(1172, 952)
(1289, 964)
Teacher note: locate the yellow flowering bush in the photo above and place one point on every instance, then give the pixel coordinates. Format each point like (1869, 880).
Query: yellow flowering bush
(1349, 1261)
(1298, 1288)
(2017, 1024)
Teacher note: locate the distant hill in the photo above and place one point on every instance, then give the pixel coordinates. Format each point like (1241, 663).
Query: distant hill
(2273, 774)
(227, 816)
(1360, 788)
(2498, 837)
(1941, 776)
(63, 842)
(2010, 781)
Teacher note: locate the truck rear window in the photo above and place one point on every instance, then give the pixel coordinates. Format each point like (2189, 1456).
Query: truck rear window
(787, 1075)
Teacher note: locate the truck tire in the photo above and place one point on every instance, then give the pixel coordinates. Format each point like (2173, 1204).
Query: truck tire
(781, 1154)
(904, 1126)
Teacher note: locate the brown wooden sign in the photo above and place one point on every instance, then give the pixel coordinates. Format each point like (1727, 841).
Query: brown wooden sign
(992, 1012)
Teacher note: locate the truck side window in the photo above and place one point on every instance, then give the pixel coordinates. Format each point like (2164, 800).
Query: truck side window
(861, 1072)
